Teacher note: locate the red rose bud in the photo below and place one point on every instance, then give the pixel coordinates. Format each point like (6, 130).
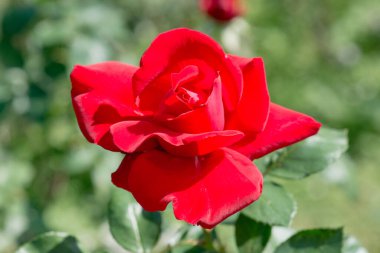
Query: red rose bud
(222, 10)
(189, 120)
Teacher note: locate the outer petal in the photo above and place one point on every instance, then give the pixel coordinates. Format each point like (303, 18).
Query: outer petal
(284, 127)
(102, 95)
(252, 112)
(178, 45)
(131, 136)
(204, 190)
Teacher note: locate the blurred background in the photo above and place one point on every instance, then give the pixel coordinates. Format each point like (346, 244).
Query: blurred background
(322, 58)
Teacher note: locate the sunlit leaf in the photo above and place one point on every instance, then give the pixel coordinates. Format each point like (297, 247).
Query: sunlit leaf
(226, 237)
(133, 228)
(173, 230)
(310, 156)
(313, 241)
(274, 207)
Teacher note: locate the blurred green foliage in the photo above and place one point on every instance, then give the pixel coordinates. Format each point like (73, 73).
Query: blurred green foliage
(322, 58)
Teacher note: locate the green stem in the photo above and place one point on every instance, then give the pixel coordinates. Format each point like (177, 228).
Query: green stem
(208, 240)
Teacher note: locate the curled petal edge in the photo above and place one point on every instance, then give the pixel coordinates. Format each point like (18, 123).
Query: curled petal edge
(204, 190)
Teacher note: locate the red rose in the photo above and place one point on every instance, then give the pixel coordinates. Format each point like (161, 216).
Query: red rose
(189, 120)
(222, 10)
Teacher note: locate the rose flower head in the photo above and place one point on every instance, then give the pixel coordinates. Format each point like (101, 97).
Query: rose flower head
(222, 10)
(189, 120)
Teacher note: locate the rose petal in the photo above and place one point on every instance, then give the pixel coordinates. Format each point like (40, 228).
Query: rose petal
(131, 136)
(253, 110)
(204, 190)
(284, 127)
(102, 95)
(178, 45)
(207, 118)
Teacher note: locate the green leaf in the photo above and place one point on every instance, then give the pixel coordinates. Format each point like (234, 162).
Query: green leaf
(264, 162)
(51, 242)
(313, 241)
(232, 219)
(190, 249)
(251, 236)
(133, 228)
(275, 206)
(351, 245)
(309, 156)
(172, 231)
(226, 237)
